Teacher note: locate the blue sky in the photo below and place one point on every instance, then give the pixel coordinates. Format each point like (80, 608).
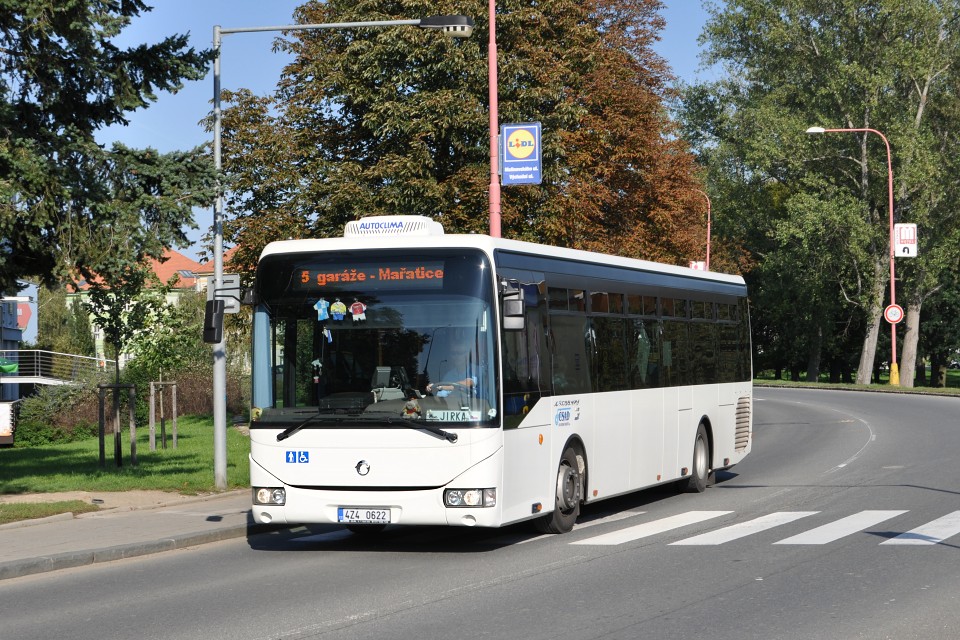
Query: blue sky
(248, 61)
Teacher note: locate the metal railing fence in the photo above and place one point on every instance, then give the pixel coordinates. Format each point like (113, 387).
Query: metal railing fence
(37, 363)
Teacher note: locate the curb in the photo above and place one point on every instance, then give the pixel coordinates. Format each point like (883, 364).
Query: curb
(69, 515)
(70, 559)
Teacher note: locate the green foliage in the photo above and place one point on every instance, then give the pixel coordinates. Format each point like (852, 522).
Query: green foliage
(52, 319)
(63, 325)
(122, 303)
(395, 121)
(64, 200)
(174, 342)
(813, 209)
(80, 330)
(57, 414)
(172, 349)
(14, 512)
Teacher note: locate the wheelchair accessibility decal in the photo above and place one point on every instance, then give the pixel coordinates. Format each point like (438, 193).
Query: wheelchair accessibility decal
(298, 457)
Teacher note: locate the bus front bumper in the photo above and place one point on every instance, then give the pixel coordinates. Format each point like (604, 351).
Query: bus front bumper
(305, 505)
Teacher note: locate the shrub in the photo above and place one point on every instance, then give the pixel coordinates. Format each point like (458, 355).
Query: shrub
(58, 414)
(194, 391)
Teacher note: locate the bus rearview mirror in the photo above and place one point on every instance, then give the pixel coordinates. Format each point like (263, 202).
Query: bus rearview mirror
(513, 309)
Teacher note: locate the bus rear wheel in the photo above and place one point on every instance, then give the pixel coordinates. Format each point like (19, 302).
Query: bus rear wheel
(569, 493)
(700, 467)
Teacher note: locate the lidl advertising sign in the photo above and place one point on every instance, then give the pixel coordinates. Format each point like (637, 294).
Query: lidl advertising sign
(521, 153)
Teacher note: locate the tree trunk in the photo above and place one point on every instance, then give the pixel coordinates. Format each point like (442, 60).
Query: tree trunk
(874, 314)
(908, 364)
(921, 377)
(869, 351)
(938, 371)
(116, 354)
(813, 359)
(835, 371)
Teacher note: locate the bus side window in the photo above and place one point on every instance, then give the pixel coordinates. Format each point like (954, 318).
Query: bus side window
(611, 366)
(572, 358)
(643, 353)
(675, 354)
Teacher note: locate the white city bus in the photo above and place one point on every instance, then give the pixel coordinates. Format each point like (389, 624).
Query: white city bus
(405, 376)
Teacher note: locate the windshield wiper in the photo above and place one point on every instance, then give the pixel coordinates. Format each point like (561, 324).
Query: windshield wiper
(417, 425)
(404, 422)
(286, 433)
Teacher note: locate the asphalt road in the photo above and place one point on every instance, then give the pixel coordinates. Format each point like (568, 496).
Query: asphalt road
(843, 523)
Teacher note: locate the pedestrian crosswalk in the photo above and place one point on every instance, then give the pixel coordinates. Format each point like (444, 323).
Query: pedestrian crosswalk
(934, 532)
(841, 528)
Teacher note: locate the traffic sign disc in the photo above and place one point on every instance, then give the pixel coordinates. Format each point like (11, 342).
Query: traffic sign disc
(893, 313)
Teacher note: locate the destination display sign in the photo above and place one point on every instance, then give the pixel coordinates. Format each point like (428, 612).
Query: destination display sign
(369, 276)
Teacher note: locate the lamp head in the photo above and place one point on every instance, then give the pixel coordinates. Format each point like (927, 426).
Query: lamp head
(816, 130)
(454, 26)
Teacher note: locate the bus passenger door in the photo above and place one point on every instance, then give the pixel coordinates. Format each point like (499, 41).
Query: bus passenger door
(528, 476)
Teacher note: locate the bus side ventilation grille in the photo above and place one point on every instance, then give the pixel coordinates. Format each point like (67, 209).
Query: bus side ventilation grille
(742, 435)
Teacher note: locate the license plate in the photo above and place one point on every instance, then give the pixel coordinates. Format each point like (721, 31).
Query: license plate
(363, 515)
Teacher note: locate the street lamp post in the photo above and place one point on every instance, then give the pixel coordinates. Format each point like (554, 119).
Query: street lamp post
(703, 193)
(457, 26)
(894, 370)
(494, 117)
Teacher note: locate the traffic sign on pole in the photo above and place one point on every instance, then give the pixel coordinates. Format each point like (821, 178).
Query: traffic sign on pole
(893, 314)
(905, 240)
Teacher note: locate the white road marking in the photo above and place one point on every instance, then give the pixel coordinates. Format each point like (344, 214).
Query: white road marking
(933, 532)
(841, 528)
(647, 529)
(583, 525)
(744, 529)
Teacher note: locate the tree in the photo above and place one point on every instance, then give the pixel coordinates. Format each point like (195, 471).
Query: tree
(173, 343)
(376, 121)
(63, 327)
(123, 305)
(63, 198)
(884, 64)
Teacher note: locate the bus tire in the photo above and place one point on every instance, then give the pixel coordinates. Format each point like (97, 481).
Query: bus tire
(700, 465)
(568, 494)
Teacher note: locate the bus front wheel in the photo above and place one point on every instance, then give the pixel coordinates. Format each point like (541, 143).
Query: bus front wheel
(700, 469)
(569, 493)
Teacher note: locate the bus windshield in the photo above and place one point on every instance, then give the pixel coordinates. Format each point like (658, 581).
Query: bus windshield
(365, 338)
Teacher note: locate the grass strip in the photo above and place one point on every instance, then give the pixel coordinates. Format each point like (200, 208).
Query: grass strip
(15, 512)
(75, 466)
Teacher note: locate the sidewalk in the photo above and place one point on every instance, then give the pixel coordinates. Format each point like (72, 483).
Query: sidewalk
(64, 541)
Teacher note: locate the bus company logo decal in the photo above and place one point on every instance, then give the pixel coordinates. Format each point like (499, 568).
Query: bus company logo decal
(363, 467)
(566, 412)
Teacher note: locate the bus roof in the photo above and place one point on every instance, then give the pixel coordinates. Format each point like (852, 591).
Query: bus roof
(488, 245)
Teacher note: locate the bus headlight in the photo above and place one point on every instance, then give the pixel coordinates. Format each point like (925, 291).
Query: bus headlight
(470, 497)
(269, 495)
